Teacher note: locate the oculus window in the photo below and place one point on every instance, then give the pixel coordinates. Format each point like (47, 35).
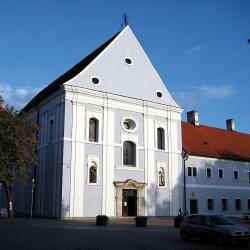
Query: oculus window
(129, 124)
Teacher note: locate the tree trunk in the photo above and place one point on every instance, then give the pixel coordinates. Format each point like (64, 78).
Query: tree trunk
(9, 198)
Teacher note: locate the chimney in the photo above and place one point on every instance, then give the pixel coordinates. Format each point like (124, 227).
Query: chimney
(1, 102)
(193, 117)
(230, 124)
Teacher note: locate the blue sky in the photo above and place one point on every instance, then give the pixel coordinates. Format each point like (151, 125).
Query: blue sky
(198, 47)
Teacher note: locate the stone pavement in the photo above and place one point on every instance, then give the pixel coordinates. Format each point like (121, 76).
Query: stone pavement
(114, 222)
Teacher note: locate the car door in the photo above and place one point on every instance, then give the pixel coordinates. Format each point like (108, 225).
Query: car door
(191, 225)
(206, 228)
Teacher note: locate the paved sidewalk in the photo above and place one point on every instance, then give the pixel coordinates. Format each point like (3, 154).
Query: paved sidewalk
(127, 222)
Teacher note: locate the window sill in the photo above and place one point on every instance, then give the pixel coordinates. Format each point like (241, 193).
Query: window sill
(161, 150)
(93, 142)
(132, 168)
(93, 184)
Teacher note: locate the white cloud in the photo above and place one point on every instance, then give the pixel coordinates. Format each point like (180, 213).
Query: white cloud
(22, 92)
(17, 97)
(213, 92)
(202, 94)
(196, 49)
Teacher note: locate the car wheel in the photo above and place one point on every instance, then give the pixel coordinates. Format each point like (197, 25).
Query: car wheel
(184, 236)
(220, 240)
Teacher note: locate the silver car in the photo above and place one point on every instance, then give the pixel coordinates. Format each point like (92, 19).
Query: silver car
(213, 227)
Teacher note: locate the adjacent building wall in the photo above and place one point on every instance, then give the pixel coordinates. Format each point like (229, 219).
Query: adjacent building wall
(203, 188)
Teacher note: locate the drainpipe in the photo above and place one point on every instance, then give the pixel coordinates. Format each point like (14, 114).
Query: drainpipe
(185, 156)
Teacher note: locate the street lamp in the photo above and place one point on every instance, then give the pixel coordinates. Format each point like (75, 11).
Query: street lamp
(185, 156)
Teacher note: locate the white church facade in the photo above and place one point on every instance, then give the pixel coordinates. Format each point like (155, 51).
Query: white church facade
(110, 141)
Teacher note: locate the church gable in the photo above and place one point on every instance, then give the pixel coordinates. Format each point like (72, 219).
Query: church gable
(123, 68)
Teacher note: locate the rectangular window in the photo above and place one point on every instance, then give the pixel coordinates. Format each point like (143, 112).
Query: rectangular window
(51, 131)
(192, 171)
(221, 174)
(210, 204)
(224, 204)
(237, 204)
(248, 204)
(236, 174)
(209, 173)
(247, 175)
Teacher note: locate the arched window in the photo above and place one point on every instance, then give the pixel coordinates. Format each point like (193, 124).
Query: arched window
(93, 129)
(129, 153)
(93, 173)
(160, 138)
(161, 177)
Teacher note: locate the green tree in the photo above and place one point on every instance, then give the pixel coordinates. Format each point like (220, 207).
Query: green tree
(18, 136)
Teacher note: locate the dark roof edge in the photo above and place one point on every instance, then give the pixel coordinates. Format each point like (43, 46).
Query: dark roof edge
(75, 70)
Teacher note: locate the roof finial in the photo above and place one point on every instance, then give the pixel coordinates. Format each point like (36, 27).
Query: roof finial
(125, 20)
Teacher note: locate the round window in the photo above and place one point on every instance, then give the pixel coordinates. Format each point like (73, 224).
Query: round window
(95, 80)
(128, 124)
(128, 61)
(159, 94)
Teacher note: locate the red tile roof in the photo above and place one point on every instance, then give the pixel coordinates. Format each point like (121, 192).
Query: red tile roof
(215, 142)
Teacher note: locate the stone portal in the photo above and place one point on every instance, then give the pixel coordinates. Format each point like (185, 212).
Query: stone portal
(130, 200)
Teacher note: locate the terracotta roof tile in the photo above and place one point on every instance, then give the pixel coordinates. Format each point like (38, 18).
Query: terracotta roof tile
(215, 142)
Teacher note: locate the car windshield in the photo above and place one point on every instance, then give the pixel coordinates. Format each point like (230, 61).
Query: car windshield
(220, 220)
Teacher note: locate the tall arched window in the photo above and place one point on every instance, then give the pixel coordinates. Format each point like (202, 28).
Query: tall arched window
(161, 177)
(93, 173)
(129, 153)
(160, 138)
(93, 129)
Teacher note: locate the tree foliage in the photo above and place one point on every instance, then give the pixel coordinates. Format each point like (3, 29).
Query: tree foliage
(18, 135)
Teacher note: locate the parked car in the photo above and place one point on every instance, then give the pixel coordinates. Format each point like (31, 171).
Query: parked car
(213, 227)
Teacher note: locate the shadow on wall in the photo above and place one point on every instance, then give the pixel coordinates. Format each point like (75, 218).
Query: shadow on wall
(158, 201)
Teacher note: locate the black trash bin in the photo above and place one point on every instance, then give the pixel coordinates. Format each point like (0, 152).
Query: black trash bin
(141, 221)
(178, 220)
(102, 220)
